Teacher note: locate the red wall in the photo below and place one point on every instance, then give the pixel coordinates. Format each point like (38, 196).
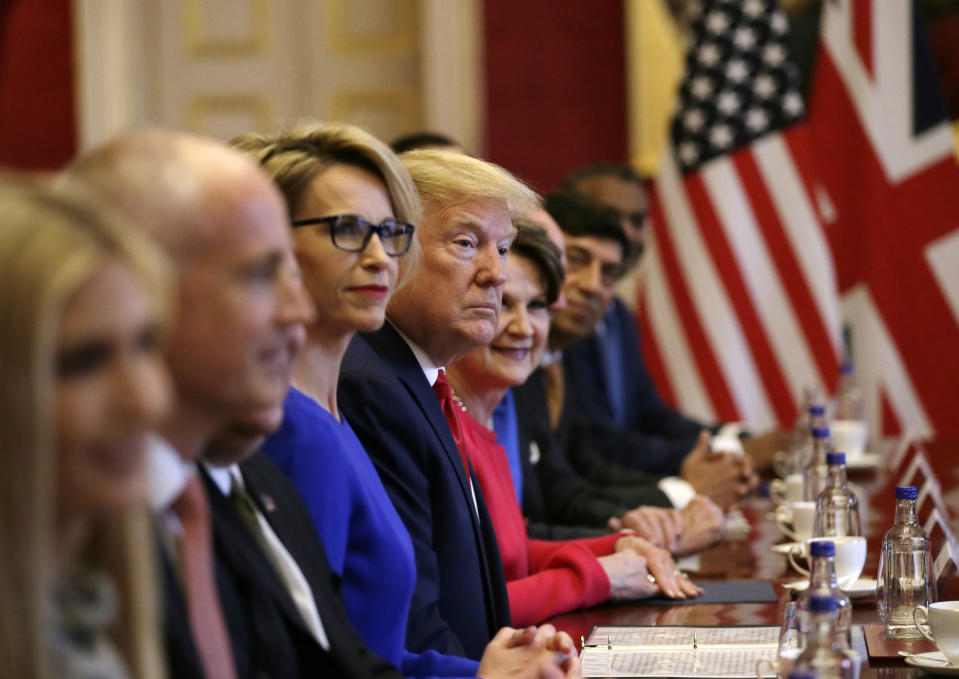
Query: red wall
(37, 113)
(555, 85)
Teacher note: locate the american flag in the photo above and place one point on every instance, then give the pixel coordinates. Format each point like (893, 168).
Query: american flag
(887, 164)
(739, 307)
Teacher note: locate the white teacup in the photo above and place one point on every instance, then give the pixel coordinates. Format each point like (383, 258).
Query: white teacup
(849, 437)
(943, 621)
(802, 516)
(849, 561)
(788, 490)
(781, 666)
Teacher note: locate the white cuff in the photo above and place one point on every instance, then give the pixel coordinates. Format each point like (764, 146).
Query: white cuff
(727, 439)
(678, 492)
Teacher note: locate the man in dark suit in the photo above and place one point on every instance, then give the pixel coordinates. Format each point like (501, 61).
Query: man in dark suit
(619, 189)
(596, 248)
(240, 315)
(449, 305)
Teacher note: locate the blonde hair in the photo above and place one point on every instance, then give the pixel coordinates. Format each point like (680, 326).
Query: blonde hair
(51, 242)
(446, 177)
(293, 158)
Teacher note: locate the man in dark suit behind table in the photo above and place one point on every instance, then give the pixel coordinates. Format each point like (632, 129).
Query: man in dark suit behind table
(596, 247)
(448, 306)
(640, 409)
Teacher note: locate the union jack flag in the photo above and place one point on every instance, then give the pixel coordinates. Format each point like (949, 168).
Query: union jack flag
(764, 248)
(887, 165)
(739, 307)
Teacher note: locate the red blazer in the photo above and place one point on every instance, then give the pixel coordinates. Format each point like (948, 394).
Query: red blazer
(543, 578)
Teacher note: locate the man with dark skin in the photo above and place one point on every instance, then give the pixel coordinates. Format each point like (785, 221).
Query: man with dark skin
(595, 251)
(620, 189)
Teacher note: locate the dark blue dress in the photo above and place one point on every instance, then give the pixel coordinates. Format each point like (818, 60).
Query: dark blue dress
(365, 539)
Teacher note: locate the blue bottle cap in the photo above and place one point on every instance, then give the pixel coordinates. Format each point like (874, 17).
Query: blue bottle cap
(817, 410)
(906, 493)
(820, 432)
(822, 604)
(835, 458)
(822, 548)
(846, 368)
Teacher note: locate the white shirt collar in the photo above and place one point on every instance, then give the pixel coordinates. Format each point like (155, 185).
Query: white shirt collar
(167, 474)
(430, 370)
(224, 477)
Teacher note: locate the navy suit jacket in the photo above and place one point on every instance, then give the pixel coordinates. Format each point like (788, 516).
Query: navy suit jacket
(460, 598)
(656, 437)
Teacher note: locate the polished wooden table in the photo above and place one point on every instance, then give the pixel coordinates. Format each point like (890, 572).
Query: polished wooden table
(752, 559)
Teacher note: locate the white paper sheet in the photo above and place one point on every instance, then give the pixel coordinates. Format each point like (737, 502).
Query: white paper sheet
(723, 652)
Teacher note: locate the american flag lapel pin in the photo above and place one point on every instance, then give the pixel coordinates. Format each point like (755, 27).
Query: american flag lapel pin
(268, 503)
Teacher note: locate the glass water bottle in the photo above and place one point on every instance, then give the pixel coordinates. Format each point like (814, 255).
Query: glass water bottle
(837, 507)
(905, 569)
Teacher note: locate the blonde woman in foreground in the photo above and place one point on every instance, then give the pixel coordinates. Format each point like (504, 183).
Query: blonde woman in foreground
(81, 384)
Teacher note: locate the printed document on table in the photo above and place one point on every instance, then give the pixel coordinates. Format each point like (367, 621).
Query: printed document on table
(722, 652)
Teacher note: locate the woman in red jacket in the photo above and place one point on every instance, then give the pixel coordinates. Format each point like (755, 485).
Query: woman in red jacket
(544, 578)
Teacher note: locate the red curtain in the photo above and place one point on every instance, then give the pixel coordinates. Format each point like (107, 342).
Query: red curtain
(37, 111)
(555, 74)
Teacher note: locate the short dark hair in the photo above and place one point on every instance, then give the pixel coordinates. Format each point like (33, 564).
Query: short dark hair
(578, 216)
(417, 140)
(618, 170)
(534, 244)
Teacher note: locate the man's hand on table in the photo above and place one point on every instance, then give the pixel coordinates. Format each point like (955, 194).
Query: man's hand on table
(762, 448)
(704, 525)
(661, 527)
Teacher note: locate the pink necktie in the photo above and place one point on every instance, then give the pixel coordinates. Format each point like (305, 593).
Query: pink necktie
(196, 561)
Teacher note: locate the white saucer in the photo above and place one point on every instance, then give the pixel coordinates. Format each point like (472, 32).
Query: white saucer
(860, 589)
(864, 461)
(933, 662)
(785, 547)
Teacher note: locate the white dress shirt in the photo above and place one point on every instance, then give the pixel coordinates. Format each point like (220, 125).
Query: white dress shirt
(167, 474)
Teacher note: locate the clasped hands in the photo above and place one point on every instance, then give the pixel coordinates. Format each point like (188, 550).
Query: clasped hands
(530, 653)
(698, 525)
(724, 477)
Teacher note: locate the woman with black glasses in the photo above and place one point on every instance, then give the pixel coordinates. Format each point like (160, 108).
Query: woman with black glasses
(352, 205)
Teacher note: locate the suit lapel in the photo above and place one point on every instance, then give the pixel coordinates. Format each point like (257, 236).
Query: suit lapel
(291, 521)
(242, 554)
(277, 500)
(398, 354)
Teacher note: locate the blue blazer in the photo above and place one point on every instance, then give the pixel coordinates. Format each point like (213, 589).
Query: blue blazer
(460, 597)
